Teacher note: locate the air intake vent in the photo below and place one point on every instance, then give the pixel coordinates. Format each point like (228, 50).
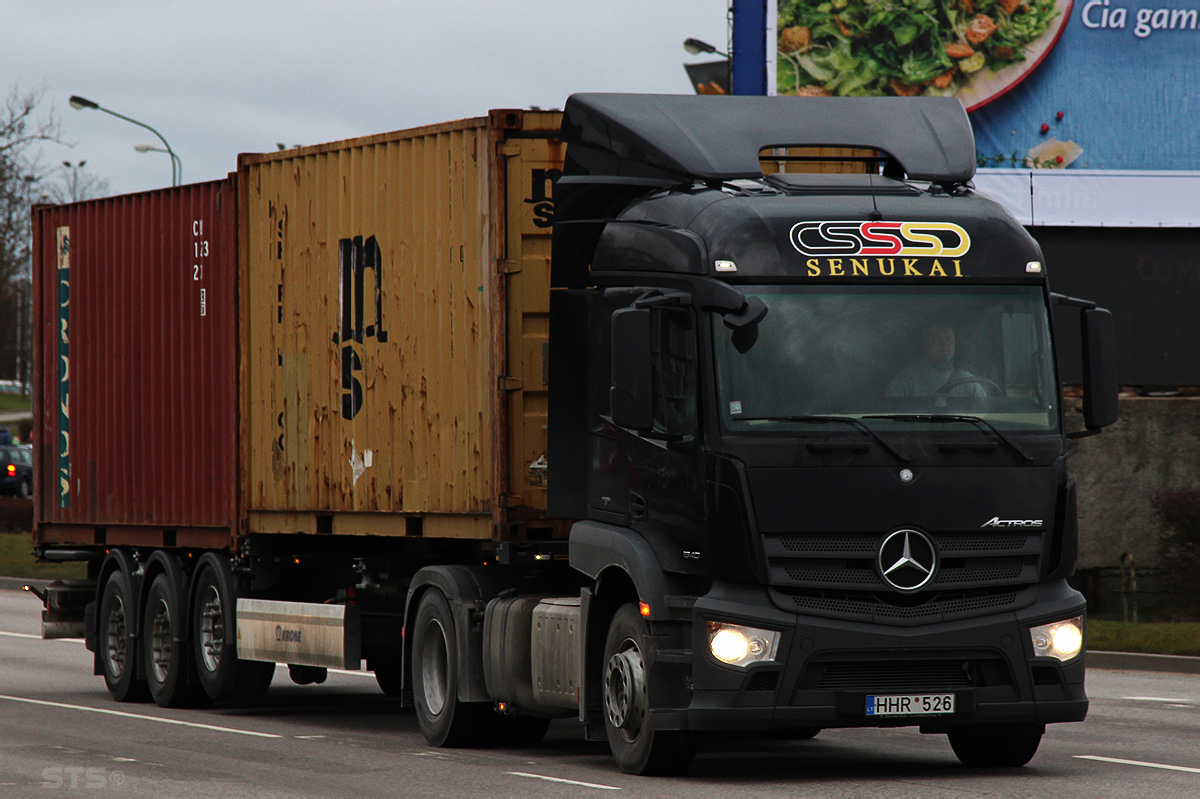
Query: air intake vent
(763, 681)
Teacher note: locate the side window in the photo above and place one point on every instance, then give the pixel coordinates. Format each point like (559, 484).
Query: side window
(673, 359)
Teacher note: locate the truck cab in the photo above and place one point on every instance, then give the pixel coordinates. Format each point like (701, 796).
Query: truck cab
(812, 425)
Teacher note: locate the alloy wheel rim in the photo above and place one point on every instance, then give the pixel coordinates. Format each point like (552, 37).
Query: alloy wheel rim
(625, 690)
(160, 641)
(115, 638)
(212, 629)
(435, 671)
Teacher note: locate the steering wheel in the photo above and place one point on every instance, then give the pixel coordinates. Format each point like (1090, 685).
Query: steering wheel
(990, 389)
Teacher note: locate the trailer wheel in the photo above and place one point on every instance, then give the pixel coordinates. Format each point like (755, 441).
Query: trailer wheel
(443, 719)
(222, 673)
(996, 745)
(115, 642)
(166, 660)
(636, 747)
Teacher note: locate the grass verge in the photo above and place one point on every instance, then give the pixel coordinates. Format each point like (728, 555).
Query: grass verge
(14, 402)
(1155, 638)
(16, 560)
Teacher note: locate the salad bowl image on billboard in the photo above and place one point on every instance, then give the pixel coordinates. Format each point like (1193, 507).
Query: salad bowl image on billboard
(973, 49)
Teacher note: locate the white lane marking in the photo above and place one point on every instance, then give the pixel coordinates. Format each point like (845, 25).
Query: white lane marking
(1122, 762)
(139, 716)
(39, 638)
(1153, 699)
(565, 782)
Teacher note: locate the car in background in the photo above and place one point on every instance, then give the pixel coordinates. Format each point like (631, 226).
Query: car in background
(16, 470)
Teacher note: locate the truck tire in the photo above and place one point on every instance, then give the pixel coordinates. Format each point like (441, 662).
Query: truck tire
(224, 676)
(443, 719)
(636, 748)
(996, 745)
(115, 643)
(166, 660)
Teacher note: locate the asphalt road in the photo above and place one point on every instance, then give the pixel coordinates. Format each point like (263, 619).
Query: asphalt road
(61, 733)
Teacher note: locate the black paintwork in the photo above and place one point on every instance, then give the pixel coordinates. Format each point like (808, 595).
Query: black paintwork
(719, 138)
(782, 525)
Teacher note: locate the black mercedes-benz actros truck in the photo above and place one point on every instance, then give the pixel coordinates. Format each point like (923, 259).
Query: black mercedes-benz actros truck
(767, 438)
(813, 424)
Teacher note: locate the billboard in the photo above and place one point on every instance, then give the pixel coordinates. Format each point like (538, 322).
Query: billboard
(1085, 84)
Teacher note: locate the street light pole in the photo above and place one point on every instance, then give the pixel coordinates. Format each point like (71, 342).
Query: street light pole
(79, 103)
(74, 172)
(145, 147)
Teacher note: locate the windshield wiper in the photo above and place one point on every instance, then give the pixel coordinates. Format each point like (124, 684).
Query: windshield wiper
(954, 417)
(850, 420)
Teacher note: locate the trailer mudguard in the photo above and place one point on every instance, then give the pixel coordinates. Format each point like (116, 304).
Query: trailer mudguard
(161, 562)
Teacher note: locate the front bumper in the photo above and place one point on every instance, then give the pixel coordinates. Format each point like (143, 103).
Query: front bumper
(826, 668)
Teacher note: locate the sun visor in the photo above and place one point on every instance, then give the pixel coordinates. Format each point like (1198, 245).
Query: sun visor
(718, 138)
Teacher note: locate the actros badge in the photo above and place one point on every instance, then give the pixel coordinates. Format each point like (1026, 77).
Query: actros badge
(907, 560)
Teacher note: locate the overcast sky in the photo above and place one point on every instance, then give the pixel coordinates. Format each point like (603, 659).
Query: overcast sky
(217, 78)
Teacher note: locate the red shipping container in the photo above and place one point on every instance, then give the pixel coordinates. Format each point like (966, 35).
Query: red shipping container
(136, 422)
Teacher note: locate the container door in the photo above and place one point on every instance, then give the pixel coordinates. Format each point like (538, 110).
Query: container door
(532, 165)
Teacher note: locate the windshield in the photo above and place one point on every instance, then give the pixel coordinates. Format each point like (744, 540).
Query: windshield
(897, 352)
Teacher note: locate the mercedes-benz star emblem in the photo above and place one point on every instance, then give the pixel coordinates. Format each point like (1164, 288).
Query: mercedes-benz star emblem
(907, 560)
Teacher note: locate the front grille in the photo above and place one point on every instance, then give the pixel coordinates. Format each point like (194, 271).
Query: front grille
(836, 575)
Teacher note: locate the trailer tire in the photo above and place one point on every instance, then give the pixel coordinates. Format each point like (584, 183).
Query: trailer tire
(636, 749)
(166, 660)
(116, 645)
(224, 676)
(443, 719)
(996, 745)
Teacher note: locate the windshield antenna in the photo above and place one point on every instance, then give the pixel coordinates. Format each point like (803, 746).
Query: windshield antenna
(875, 215)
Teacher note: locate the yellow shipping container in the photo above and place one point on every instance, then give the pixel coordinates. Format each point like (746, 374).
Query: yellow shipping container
(395, 296)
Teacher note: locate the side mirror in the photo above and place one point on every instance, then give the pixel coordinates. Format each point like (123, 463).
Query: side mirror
(630, 395)
(1099, 368)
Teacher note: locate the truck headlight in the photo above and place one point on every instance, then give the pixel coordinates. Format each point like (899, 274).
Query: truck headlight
(1062, 639)
(740, 646)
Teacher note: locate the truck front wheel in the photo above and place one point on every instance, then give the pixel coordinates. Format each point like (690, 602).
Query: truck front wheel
(115, 642)
(996, 745)
(636, 748)
(443, 719)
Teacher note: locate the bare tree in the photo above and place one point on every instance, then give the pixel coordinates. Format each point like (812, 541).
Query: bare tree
(22, 129)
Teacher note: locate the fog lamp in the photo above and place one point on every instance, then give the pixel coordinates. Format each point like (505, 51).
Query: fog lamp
(740, 646)
(1062, 640)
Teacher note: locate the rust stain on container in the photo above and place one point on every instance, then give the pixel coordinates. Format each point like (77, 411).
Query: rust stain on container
(135, 390)
(396, 290)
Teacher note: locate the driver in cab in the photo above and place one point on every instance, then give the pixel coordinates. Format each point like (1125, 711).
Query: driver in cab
(934, 373)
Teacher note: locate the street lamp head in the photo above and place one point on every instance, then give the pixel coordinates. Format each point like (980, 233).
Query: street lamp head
(146, 147)
(78, 102)
(693, 46)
